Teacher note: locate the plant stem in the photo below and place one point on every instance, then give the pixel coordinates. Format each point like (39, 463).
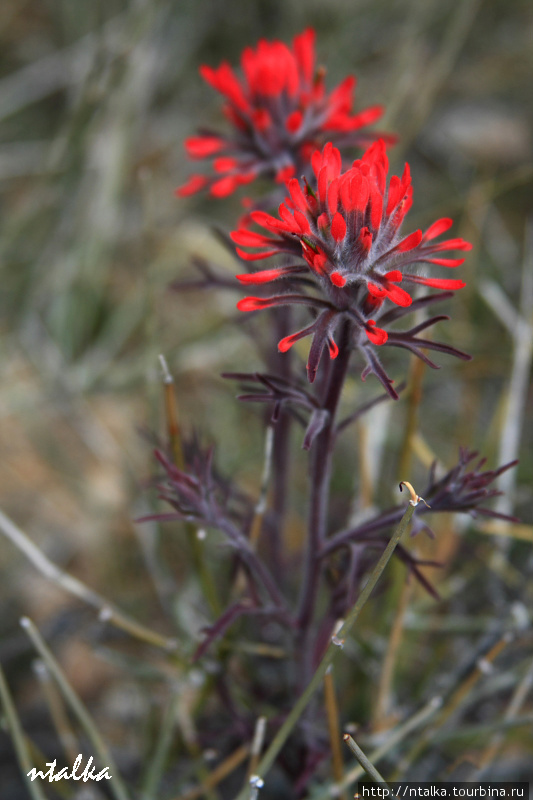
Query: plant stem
(453, 703)
(320, 484)
(254, 563)
(116, 787)
(281, 454)
(176, 444)
(332, 711)
(219, 773)
(368, 767)
(163, 744)
(397, 736)
(334, 647)
(382, 707)
(17, 735)
(108, 612)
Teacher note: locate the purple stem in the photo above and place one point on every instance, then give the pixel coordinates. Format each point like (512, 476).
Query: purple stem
(281, 455)
(320, 473)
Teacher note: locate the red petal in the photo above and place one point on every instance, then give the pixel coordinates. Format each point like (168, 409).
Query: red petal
(223, 80)
(376, 208)
(224, 186)
(366, 117)
(394, 275)
(304, 51)
(203, 146)
(261, 119)
(302, 221)
(410, 242)
(398, 296)
(377, 154)
(266, 221)
(225, 164)
(333, 348)
(284, 174)
(365, 238)
(376, 335)
(323, 184)
(333, 196)
(193, 185)
(376, 291)
(436, 283)
(395, 193)
(286, 343)
(449, 244)
(338, 227)
(294, 121)
(438, 227)
(446, 262)
(337, 279)
(297, 196)
(264, 276)
(249, 238)
(253, 303)
(255, 256)
(322, 222)
(316, 162)
(360, 190)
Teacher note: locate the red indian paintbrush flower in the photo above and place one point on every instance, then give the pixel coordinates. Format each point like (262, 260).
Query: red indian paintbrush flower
(347, 230)
(280, 112)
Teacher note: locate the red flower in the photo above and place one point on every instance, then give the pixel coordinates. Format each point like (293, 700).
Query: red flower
(280, 112)
(347, 229)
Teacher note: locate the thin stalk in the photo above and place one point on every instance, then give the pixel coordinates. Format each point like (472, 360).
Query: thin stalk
(490, 755)
(387, 671)
(365, 474)
(257, 745)
(333, 649)
(281, 453)
(116, 786)
(255, 564)
(414, 399)
(261, 505)
(196, 545)
(456, 699)
(171, 413)
(18, 738)
(332, 711)
(64, 729)
(320, 484)
(498, 726)
(164, 741)
(396, 737)
(108, 612)
(511, 435)
(368, 767)
(222, 771)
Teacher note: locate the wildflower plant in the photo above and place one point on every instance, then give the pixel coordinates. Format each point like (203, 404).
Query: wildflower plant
(342, 262)
(295, 579)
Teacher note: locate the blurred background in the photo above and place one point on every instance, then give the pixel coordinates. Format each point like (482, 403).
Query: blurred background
(95, 102)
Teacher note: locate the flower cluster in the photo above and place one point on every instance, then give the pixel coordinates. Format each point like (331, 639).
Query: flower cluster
(280, 113)
(345, 231)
